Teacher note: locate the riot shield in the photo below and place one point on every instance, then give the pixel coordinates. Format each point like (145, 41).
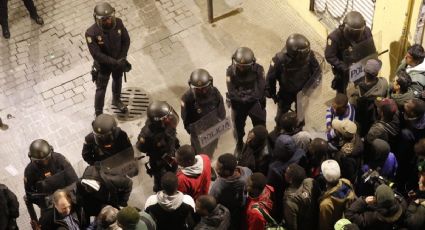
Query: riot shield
(207, 129)
(123, 163)
(359, 51)
(309, 87)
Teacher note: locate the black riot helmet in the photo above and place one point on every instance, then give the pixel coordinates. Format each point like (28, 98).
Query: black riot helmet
(161, 111)
(243, 59)
(104, 16)
(40, 150)
(354, 26)
(200, 82)
(298, 47)
(104, 128)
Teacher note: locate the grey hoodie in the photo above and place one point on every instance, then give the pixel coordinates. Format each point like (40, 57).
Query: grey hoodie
(219, 219)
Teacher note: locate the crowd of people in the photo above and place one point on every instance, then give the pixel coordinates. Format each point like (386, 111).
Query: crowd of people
(367, 172)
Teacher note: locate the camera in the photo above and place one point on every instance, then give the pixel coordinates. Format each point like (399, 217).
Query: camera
(373, 178)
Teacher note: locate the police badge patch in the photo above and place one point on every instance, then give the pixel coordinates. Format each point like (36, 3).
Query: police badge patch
(119, 31)
(329, 42)
(89, 40)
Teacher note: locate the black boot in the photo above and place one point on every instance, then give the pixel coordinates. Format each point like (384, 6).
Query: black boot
(98, 112)
(6, 32)
(39, 20)
(116, 101)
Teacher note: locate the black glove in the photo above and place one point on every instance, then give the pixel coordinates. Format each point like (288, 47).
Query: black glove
(121, 64)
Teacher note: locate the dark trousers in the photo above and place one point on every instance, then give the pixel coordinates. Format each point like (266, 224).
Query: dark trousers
(240, 111)
(284, 104)
(101, 85)
(340, 82)
(29, 4)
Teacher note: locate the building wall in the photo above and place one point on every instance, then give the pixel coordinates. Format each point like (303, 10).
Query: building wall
(387, 27)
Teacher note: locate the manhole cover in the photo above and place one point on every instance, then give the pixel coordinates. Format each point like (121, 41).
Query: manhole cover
(137, 101)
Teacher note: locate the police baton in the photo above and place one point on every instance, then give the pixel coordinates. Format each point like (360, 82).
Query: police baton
(125, 77)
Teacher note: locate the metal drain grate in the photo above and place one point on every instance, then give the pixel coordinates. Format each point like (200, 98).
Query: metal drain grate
(137, 101)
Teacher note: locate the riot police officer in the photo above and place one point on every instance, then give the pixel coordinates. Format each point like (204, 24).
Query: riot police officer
(106, 140)
(47, 172)
(159, 141)
(295, 67)
(246, 87)
(108, 43)
(29, 4)
(199, 102)
(339, 47)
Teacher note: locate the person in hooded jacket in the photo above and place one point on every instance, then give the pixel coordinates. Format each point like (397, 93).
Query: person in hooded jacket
(412, 130)
(288, 124)
(382, 160)
(229, 188)
(260, 200)
(401, 91)
(255, 152)
(415, 214)
(284, 154)
(129, 218)
(300, 205)
(387, 127)
(367, 92)
(414, 65)
(382, 211)
(170, 208)
(350, 148)
(338, 195)
(213, 216)
(194, 174)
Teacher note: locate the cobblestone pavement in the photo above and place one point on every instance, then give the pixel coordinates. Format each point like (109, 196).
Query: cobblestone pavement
(44, 71)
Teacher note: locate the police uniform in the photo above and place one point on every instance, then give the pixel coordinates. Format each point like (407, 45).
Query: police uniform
(194, 108)
(106, 49)
(292, 77)
(92, 152)
(41, 182)
(156, 141)
(246, 95)
(338, 48)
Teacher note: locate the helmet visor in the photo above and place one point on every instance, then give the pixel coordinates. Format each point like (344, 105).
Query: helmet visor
(353, 34)
(103, 139)
(201, 90)
(171, 119)
(106, 22)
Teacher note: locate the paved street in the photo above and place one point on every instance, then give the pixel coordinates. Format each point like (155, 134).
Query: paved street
(46, 87)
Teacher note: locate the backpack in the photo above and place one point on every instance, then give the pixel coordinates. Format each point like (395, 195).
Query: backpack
(271, 223)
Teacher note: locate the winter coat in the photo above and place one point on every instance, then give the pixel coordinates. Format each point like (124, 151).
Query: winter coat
(257, 160)
(52, 219)
(371, 217)
(219, 219)
(195, 180)
(400, 99)
(285, 148)
(386, 131)
(9, 209)
(365, 104)
(415, 216)
(300, 206)
(416, 73)
(230, 192)
(254, 219)
(171, 212)
(334, 202)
